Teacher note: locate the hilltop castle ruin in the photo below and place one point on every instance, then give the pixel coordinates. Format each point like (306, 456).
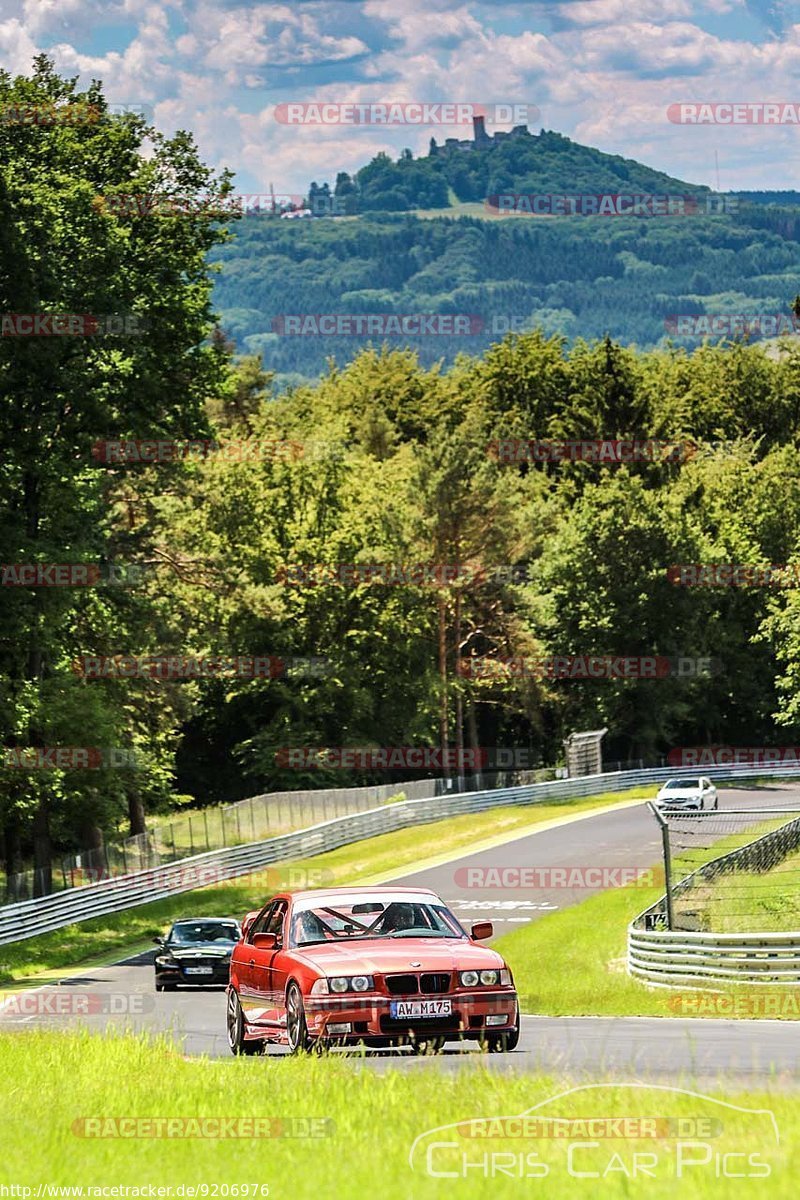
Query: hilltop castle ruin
(481, 140)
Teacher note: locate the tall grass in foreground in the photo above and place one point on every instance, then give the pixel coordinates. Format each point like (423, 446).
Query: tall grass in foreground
(52, 1080)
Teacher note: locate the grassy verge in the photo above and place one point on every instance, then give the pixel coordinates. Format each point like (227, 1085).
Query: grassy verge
(585, 949)
(385, 855)
(751, 901)
(371, 1123)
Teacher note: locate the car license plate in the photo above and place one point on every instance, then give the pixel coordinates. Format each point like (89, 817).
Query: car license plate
(199, 970)
(420, 1008)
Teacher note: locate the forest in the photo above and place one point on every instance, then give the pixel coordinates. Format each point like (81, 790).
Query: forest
(167, 499)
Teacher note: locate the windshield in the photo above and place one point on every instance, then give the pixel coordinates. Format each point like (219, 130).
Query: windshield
(682, 785)
(353, 920)
(194, 933)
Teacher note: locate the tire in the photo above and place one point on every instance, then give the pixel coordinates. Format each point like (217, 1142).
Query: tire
(166, 987)
(501, 1043)
(428, 1045)
(235, 1029)
(297, 1036)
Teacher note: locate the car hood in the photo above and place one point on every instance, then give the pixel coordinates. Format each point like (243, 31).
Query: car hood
(390, 955)
(680, 794)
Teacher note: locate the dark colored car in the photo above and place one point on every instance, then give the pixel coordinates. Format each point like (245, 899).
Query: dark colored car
(196, 952)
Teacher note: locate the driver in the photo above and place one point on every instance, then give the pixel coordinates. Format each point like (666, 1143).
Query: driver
(400, 916)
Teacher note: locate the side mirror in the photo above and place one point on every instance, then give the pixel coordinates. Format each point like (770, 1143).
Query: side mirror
(266, 941)
(481, 930)
(159, 941)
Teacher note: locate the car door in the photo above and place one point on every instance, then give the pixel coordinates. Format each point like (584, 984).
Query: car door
(252, 971)
(279, 968)
(264, 1008)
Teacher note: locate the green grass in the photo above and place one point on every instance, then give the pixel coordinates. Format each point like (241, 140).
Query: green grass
(751, 901)
(585, 949)
(389, 853)
(372, 1122)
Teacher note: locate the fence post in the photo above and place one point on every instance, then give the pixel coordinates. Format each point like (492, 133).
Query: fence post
(667, 862)
(191, 838)
(252, 819)
(205, 822)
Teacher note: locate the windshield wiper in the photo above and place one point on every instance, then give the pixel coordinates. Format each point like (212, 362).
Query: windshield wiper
(418, 933)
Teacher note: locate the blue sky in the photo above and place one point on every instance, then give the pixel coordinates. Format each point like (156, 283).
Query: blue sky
(601, 71)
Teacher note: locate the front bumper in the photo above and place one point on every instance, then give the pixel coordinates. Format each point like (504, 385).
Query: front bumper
(219, 976)
(473, 1015)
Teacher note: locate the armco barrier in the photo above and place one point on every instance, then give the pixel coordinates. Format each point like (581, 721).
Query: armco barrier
(673, 957)
(700, 959)
(32, 917)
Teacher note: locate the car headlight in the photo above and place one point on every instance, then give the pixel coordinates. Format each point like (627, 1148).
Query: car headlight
(163, 961)
(488, 978)
(351, 983)
(319, 988)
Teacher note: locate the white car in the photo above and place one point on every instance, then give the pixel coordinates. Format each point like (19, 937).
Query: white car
(688, 793)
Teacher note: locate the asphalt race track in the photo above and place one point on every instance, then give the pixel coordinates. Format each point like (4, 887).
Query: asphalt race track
(661, 1049)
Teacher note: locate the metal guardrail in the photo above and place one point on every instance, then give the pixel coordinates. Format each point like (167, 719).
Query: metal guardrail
(30, 918)
(672, 957)
(698, 959)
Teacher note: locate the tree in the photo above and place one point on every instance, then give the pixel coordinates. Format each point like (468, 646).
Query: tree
(70, 245)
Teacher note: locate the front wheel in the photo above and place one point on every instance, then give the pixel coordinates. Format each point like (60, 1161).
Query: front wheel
(237, 1043)
(427, 1045)
(501, 1043)
(297, 1035)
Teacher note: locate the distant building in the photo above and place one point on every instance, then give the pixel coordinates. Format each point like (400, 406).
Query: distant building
(481, 140)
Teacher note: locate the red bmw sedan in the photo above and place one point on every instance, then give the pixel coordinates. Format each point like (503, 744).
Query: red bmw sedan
(380, 966)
